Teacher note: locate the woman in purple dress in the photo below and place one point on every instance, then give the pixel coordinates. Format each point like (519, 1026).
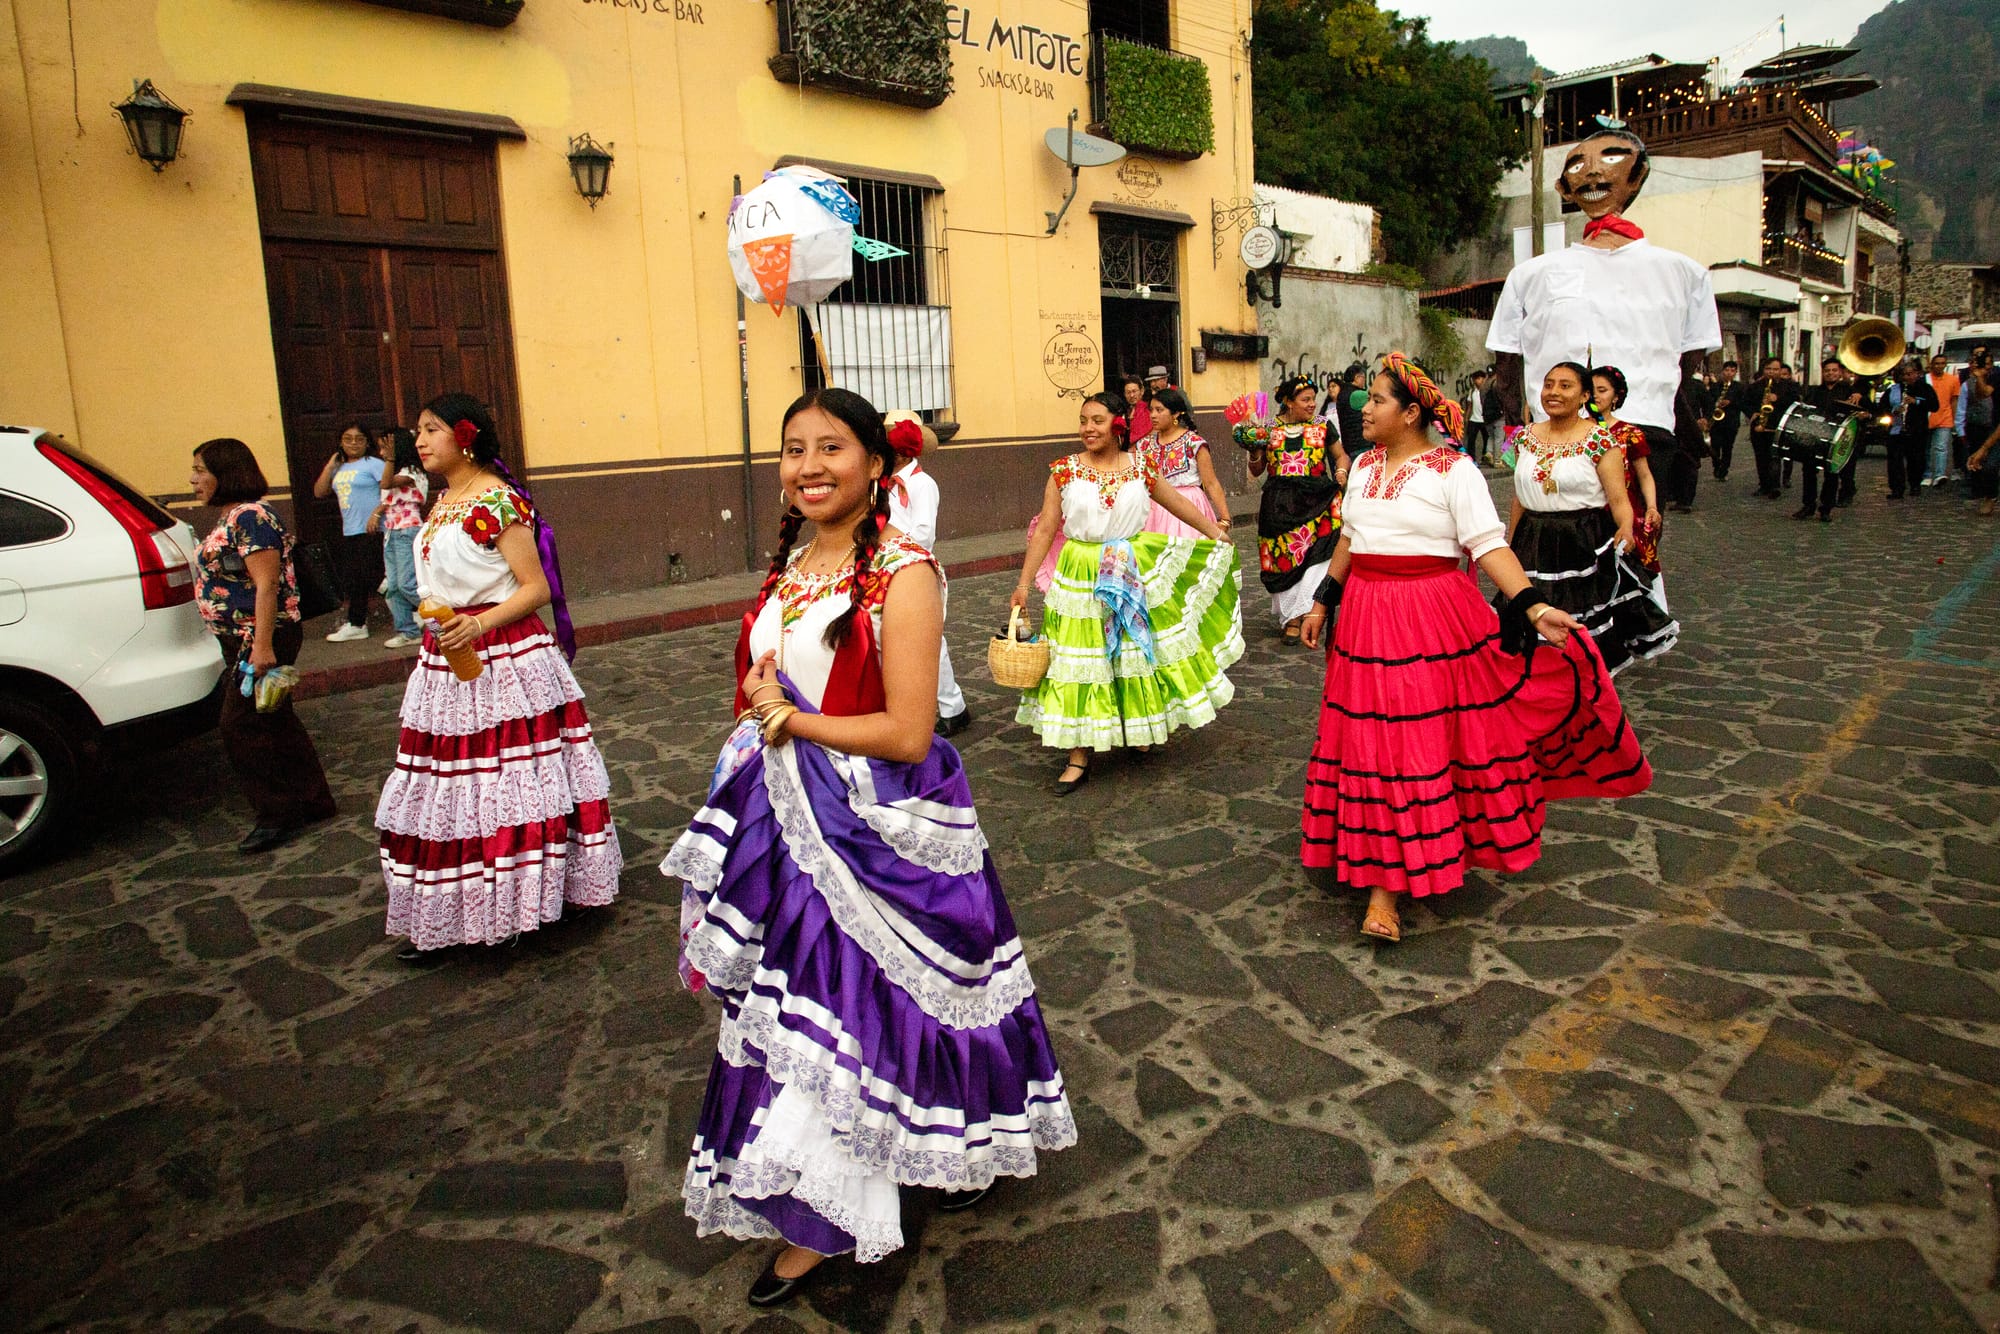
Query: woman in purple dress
(879, 1025)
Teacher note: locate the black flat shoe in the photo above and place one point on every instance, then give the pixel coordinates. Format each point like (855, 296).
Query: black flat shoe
(1063, 789)
(265, 837)
(771, 1290)
(955, 1201)
(1802, 513)
(955, 724)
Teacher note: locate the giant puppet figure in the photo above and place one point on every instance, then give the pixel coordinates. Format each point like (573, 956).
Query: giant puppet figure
(1615, 299)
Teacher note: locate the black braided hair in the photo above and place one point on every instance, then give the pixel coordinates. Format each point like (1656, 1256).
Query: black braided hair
(788, 534)
(1616, 379)
(859, 416)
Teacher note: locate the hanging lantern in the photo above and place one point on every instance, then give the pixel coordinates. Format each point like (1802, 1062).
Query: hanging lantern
(590, 168)
(153, 123)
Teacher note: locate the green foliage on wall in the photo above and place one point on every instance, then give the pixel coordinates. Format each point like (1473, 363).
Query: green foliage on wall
(1157, 99)
(898, 47)
(1444, 349)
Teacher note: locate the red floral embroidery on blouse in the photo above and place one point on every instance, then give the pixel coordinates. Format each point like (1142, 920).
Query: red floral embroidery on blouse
(1440, 459)
(482, 526)
(1071, 468)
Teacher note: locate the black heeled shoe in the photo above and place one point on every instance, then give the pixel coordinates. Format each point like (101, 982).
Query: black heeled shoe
(772, 1290)
(1063, 789)
(956, 1201)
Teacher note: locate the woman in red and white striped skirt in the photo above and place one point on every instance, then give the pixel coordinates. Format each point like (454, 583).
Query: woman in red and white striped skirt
(497, 813)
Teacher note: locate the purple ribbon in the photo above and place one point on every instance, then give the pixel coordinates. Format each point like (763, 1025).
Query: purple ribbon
(545, 544)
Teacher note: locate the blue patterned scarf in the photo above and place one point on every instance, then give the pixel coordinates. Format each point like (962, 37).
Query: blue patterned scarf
(1122, 597)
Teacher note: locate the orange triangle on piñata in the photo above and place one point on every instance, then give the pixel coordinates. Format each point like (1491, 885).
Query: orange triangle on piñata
(771, 260)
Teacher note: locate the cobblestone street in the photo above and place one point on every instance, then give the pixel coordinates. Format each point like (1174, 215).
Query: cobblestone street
(1727, 1058)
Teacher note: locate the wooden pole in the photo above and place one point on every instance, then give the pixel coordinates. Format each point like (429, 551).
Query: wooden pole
(1535, 135)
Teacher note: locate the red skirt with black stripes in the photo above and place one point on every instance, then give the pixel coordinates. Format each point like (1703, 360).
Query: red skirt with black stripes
(1436, 749)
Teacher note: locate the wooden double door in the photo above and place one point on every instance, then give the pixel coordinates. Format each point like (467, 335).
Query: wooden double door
(386, 282)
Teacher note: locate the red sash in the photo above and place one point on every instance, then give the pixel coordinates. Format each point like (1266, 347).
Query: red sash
(1400, 567)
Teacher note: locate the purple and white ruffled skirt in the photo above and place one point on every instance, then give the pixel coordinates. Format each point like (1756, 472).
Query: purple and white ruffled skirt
(879, 1024)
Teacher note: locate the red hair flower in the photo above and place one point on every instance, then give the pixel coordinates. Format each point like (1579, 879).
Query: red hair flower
(906, 433)
(465, 433)
(1120, 429)
(482, 526)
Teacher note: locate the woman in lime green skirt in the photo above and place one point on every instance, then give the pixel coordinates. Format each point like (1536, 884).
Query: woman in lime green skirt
(1142, 627)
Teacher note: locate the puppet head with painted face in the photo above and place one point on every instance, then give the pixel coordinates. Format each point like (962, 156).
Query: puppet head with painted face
(1603, 174)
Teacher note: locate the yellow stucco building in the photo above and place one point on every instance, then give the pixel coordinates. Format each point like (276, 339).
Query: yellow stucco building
(373, 202)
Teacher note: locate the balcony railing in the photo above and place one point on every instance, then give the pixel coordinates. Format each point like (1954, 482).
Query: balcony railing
(1750, 114)
(1872, 300)
(1801, 259)
(1150, 98)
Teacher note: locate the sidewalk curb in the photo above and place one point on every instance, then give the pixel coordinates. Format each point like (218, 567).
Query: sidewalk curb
(388, 671)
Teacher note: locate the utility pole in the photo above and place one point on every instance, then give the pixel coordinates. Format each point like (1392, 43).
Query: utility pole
(1903, 289)
(1533, 104)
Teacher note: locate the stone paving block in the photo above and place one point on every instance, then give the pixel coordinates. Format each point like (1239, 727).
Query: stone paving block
(1923, 988)
(1543, 959)
(1898, 864)
(1434, 953)
(666, 1234)
(1161, 1092)
(1966, 1110)
(1968, 769)
(254, 1324)
(1081, 1263)
(1763, 910)
(1813, 1160)
(1681, 813)
(1623, 891)
(1249, 1163)
(1459, 1038)
(54, 1180)
(283, 991)
(1548, 907)
(1610, 1108)
(490, 1283)
(1474, 900)
(1376, 1320)
(1698, 996)
(1913, 1041)
(215, 929)
(1126, 1031)
(1069, 975)
(1319, 986)
(1045, 915)
(1666, 1303)
(1977, 919)
(1688, 859)
(1255, 1052)
(1902, 932)
(1842, 1285)
(155, 1026)
(1171, 952)
(1562, 860)
(417, 996)
(534, 1076)
(1103, 1147)
(1269, 1286)
(330, 1154)
(1791, 1066)
(1460, 1263)
(310, 887)
(1809, 870)
(124, 950)
(1402, 1110)
(289, 1094)
(1568, 1192)
(1197, 847)
(287, 1253)
(1731, 951)
(1647, 1046)
(340, 945)
(505, 1189)
(38, 1269)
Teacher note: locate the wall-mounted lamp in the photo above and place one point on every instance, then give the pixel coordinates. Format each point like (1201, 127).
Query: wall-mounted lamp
(590, 167)
(153, 123)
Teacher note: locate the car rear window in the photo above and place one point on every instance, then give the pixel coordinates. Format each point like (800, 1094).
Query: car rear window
(139, 499)
(24, 523)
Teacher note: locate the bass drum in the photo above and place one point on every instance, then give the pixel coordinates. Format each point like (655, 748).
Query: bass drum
(1808, 434)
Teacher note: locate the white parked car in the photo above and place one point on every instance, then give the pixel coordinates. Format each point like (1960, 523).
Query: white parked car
(101, 646)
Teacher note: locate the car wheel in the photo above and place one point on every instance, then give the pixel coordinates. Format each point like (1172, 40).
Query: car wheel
(38, 775)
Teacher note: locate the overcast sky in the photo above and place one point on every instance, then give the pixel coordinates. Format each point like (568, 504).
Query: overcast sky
(1571, 36)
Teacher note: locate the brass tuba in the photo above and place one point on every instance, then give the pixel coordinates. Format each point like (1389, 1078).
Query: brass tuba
(1871, 346)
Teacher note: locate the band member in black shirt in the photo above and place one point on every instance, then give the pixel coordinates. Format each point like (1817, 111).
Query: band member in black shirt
(1839, 395)
(1725, 419)
(1911, 437)
(1774, 391)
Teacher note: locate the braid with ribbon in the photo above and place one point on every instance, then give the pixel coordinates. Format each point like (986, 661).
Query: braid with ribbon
(1424, 392)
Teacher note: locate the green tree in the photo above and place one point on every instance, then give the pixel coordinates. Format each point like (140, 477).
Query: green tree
(1358, 103)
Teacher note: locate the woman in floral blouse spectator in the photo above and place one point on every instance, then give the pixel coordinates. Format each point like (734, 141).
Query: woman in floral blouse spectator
(397, 518)
(245, 588)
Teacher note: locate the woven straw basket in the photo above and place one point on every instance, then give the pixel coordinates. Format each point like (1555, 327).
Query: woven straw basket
(1015, 662)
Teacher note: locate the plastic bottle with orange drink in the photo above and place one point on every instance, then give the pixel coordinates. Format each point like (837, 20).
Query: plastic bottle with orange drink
(465, 663)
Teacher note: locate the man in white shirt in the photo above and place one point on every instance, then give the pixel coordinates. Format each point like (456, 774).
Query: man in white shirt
(1613, 300)
(1478, 442)
(913, 508)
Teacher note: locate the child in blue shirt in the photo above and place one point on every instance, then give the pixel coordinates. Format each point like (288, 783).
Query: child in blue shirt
(353, 477)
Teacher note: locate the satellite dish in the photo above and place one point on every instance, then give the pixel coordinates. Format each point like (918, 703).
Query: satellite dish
(1073, 148)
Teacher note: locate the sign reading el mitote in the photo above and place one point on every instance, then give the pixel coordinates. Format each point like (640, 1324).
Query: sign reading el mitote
(1052, 51)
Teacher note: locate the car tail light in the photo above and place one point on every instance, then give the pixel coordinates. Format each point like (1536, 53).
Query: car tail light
(165, 577)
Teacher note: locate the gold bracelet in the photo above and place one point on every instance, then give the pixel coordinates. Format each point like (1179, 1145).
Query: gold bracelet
(777, 724)
(1536, 619)
(768, 685)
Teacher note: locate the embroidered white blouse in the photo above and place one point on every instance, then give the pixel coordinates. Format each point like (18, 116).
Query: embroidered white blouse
(1436, 504)
(1103, 506)
(794, 619)
(456, 567)
(1573, 468)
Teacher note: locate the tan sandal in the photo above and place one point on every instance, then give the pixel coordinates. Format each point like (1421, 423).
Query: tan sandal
(1376, 926)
